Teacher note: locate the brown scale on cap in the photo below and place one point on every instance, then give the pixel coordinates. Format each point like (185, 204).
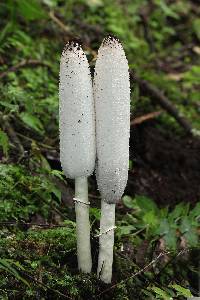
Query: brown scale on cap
(72, 45)
(111, 40)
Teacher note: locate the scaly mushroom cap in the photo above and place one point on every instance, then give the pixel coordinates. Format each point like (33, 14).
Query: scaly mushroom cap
(76, 113)
(112, 104)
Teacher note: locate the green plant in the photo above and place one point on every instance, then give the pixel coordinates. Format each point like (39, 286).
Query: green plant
(170, 293)
(4, 142)
(23, 194)
(151, 222)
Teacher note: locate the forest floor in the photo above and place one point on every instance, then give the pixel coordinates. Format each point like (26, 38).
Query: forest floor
(166, 168)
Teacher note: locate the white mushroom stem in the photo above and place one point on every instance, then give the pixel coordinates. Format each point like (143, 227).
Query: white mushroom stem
(106, 241)
(83, 225)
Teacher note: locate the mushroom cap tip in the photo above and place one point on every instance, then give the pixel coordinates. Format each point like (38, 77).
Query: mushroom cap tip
(72, 46)
(110, 40)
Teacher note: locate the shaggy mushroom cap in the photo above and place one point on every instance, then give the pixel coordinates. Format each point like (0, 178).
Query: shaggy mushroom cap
(112, 103)
(76, 113)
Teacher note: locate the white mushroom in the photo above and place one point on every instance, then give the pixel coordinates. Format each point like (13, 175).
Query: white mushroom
(112, 105)
(77, 138)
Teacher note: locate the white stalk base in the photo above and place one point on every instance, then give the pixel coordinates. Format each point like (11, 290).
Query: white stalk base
(83, 225)
(106, 241)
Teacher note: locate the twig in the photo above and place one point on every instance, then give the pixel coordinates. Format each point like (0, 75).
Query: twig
(59, 23)
(45, 146)
(46, 226)
(171, 261)
(146, 117)
(46, 287)
(145, 268)
(164, 102)
(67, 30)
(59, 212)
(135, 274)
(22, 64)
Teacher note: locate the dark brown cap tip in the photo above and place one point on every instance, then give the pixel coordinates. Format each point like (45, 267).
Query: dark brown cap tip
(72, 45)
(110, 40)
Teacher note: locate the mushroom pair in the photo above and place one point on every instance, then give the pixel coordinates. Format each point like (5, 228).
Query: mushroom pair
(94, 134)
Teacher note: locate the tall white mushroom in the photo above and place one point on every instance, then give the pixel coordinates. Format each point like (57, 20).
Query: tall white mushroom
(77, 139)
(112, 105)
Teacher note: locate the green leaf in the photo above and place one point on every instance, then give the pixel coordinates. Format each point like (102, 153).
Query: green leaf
(128, 201)
(171, 239)
(50, 3)
(146, 204)
(192, 238)
(163, 227)
(30, 10)
(164, 212)
(4, 142)
(130, 164)
(150, 219)
(58, 174)
(12, 107)
(189, 231)
(181, 290)
(180, 209)
(6, 264)
(32, 121)
(34, 264)
(56, 192)
(95, 212)
(44, 163)
(124, 230)
(94, 3)
(7, 29)
(185, 225)
(159, 292)
(195, 212)
(167, 10)
(196, 27)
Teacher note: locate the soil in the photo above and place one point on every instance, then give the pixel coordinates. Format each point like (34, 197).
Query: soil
(165, 167)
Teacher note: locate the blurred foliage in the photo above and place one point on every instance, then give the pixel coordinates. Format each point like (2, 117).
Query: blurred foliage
(161, 39)
(167, 224)
(23, 194)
